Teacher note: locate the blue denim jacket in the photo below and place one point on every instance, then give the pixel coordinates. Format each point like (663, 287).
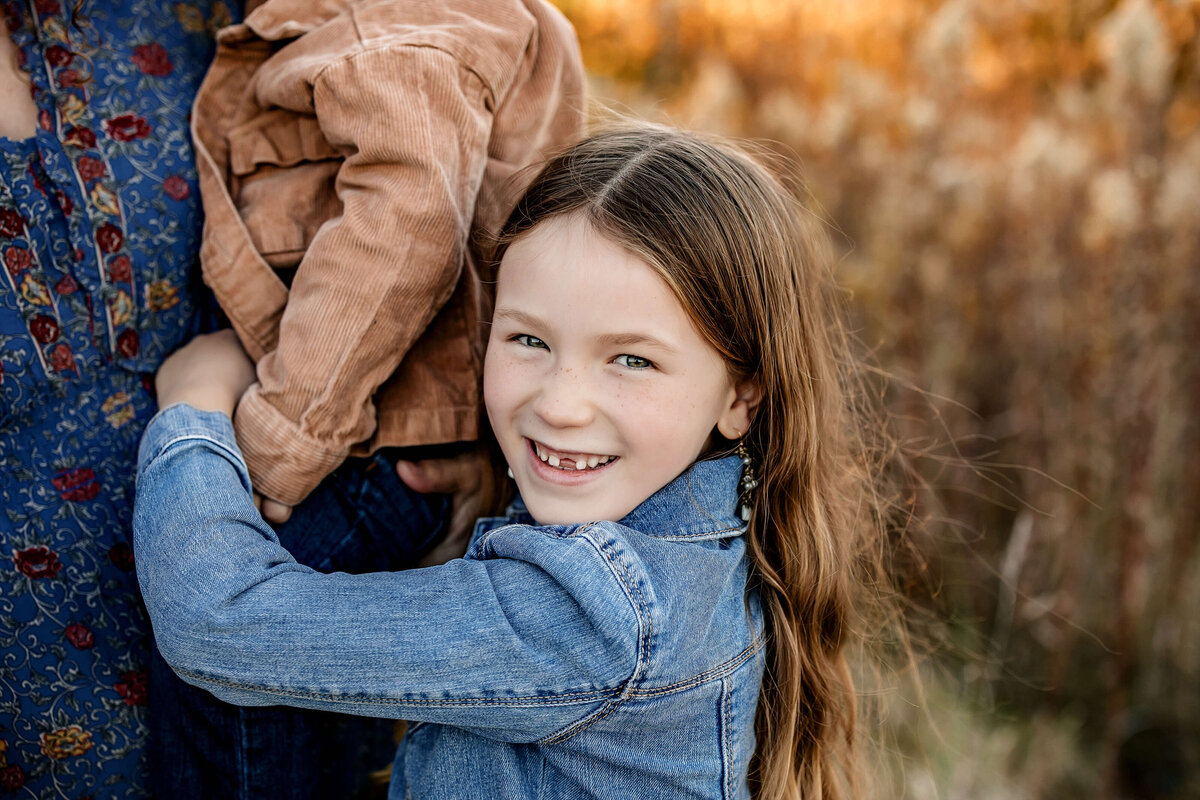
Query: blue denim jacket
(596, 660)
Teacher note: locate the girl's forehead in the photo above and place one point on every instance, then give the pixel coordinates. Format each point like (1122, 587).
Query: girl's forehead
(565, 259)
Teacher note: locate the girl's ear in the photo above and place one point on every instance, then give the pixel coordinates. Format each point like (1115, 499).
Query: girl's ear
(735, 419)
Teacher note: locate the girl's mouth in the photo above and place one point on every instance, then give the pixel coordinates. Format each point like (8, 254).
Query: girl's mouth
(568, 461)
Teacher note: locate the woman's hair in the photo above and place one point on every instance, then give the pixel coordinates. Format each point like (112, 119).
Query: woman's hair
(751, 268)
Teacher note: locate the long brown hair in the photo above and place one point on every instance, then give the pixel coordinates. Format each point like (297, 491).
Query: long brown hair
(751, 267)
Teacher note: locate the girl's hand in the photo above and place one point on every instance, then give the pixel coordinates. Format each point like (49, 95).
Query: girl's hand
(211, 372)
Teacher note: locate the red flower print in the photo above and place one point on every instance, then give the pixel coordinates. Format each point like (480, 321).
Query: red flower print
(67, 285)
(80, 636)
(128, 343)
(17, 259)
(62, 359)
(121, 555)
(37, 181)
(46, 7)
(177, 188)
(59, 56)
(126, 127)
(120, 269)
(109, 237)
(45, 120)
(11, 223)
(77, 485)
(12, 778)
(44, 328)
(134, 687)
(69, 79)
(82, 138)
(90, 168)
(152, 59)
(64, 202)
(37, 562)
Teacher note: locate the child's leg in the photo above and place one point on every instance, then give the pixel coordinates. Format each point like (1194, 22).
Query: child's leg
(202, 747)
(363, 518)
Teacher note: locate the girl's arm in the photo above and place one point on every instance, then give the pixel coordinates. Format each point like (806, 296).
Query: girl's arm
(516, 647)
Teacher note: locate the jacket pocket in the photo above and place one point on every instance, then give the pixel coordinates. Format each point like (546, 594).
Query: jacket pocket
(283, 182)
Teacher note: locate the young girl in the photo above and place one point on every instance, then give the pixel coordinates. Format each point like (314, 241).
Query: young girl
(663, 613)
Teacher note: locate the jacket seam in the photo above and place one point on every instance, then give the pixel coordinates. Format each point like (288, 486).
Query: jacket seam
(719, 671)
(702, 533)
(641, 609)
(571, 698)
(224, 450)
(726, 719)
(457, 59)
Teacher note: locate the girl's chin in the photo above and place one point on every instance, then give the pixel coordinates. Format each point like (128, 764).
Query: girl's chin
(560, 511)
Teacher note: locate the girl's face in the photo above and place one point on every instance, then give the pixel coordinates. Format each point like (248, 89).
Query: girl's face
(598, 387)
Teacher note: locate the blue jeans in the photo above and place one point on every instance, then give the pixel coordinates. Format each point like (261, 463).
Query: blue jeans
(362, 518)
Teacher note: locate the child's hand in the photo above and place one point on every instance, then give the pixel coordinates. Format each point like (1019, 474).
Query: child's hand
(272, 511)
(211, 372)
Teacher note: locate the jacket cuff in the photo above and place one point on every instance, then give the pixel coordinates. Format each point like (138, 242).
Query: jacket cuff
(180, 422)
(285, 463)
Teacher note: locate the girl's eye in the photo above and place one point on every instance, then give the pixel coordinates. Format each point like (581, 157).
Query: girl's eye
(633, 362)
(530, 341)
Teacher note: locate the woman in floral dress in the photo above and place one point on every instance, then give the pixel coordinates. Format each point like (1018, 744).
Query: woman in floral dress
(99, 226)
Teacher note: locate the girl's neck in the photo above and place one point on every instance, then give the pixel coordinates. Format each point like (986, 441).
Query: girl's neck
(18, 112)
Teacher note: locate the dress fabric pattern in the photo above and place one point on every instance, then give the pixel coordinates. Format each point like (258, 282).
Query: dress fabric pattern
(99, 231)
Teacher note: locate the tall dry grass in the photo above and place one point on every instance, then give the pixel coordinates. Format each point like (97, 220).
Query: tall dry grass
(1016, 187)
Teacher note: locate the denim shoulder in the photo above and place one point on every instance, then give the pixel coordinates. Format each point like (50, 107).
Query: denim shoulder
(590, 565)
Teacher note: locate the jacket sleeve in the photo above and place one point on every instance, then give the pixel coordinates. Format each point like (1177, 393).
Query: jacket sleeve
(415, 124)
(518, 648)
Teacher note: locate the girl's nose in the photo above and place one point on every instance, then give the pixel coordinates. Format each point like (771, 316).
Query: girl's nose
(563, 400)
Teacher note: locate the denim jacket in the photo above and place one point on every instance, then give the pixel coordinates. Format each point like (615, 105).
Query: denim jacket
(597, 660)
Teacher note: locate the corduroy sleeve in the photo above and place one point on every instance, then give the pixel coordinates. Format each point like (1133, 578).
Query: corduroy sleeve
(415, 124)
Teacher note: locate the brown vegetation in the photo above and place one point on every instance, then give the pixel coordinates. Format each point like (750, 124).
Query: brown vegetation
(1017, 190)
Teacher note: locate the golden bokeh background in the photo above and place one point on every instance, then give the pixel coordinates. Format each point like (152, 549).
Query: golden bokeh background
(1014, 187)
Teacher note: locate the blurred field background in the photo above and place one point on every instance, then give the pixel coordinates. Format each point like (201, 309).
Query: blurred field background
(1015, 191)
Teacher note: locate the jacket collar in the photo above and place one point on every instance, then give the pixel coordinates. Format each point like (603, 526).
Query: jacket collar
(702, 503)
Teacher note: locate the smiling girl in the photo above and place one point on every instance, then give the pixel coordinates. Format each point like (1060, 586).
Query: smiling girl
(664, 612)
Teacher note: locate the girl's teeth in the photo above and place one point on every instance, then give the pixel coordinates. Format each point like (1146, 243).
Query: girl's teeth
(589, 462)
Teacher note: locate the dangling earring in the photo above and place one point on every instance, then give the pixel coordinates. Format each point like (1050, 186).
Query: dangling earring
(745, 495)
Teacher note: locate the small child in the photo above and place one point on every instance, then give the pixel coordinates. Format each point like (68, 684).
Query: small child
(346, 154)
(664, 612)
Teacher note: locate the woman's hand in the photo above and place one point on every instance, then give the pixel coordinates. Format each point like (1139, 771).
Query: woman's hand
(211, 372)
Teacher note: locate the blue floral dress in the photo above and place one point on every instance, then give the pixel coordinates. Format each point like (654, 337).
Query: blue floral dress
(99, 228)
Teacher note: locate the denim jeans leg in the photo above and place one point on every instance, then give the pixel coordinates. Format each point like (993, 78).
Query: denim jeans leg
(362, 518)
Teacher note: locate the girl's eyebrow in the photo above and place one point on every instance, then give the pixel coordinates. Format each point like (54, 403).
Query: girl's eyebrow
(526, 320)
(519, 317)
(634, 340)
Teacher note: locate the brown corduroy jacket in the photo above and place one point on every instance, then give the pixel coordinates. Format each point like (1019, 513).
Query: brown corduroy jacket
(347, 152)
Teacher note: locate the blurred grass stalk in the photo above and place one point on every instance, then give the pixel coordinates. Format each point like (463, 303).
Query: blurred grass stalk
(1016, 187)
